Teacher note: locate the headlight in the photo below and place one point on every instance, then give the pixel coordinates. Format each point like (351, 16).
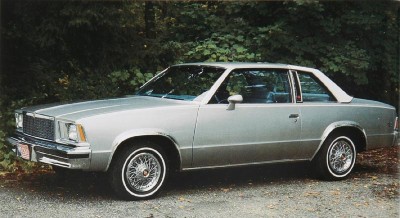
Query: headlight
(71, 132)
(19, 120)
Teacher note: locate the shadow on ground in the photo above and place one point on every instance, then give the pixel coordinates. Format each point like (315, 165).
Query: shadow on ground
(77, 185)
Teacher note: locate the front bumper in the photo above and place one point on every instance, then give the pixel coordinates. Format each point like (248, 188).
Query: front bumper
(67, 156)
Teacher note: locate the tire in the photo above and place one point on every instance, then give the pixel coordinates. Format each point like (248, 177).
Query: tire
(139, 172)
(336, 158)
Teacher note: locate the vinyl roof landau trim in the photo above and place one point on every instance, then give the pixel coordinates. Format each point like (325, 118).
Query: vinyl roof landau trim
(339, 94)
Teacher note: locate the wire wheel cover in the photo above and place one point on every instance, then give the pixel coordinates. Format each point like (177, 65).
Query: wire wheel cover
(143, 172)
(340, 156)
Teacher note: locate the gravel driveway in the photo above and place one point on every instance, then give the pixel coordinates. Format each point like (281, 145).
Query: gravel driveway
(264, 191)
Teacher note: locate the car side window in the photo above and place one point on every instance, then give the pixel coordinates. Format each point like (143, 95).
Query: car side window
(313, 90)
(256, 86)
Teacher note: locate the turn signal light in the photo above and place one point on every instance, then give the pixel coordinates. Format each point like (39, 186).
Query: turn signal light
(81, 133)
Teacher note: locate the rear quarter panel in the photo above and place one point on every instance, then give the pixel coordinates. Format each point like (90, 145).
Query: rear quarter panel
(319, 119)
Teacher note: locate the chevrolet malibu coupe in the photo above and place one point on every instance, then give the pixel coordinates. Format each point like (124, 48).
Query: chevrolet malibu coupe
(208, 115)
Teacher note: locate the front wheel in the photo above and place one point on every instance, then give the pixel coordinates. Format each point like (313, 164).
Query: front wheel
(336, 158)
(139, 172)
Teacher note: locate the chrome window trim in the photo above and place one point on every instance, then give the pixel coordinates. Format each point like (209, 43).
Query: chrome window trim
(319, 81)
(293, 85)
(297, 85)
(228, 71)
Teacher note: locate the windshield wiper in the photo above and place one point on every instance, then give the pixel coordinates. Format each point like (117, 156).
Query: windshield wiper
(175, 98)
(168, 93)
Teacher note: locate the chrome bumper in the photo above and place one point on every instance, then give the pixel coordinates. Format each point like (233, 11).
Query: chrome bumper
(53, 153)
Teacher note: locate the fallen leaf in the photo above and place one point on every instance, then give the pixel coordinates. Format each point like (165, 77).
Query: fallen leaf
(225, 189)
(307, 194)
(335, 192)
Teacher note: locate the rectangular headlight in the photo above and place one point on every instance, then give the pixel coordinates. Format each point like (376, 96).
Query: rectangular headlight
(71, 132)
(19, 120)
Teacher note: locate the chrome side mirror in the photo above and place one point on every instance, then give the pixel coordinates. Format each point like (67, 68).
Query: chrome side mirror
(234, 99)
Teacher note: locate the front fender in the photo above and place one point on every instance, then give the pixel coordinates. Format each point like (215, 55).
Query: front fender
(129, 134)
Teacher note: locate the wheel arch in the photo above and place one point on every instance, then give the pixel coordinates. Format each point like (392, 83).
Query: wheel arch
(348, 128)
(166, 142)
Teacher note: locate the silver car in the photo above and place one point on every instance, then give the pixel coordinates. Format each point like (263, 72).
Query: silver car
(208, 115)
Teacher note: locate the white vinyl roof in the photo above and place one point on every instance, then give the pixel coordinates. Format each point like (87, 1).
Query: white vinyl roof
(339, 94)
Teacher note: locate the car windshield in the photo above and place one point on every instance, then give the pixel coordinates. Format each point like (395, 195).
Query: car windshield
(189, 83)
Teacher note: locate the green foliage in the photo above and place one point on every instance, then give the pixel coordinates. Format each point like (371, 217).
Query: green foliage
(8, 160)
(76, 50)
(221, 48)
(236, 84)
(6, 156)
(129, 80)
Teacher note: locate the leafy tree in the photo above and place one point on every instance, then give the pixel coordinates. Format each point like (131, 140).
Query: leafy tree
(69, 50)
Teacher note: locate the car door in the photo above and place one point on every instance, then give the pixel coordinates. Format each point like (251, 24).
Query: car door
(264, 127)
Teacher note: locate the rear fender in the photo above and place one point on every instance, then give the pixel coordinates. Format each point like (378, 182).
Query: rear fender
(336, 125)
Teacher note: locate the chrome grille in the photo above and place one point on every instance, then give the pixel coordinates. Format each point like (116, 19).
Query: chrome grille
(38, 126)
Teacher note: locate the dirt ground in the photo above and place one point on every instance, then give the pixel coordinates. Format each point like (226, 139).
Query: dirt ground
(289, 190)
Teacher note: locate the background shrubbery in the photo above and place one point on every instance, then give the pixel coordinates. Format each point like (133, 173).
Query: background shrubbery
(55, 51)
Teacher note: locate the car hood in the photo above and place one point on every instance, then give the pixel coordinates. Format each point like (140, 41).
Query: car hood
(74, 111)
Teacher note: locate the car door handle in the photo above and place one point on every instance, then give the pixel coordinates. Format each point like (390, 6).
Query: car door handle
(293, 116)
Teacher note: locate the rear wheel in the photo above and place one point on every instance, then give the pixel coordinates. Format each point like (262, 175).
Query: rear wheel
(336, 158)
(139, 172)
